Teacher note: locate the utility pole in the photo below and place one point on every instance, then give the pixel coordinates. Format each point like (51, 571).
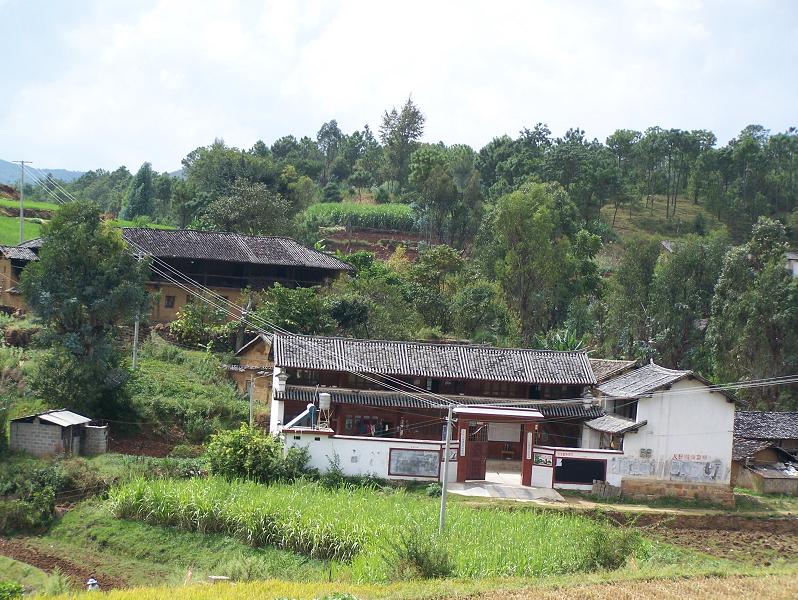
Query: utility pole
(22, 164)
(251, 390)
(445, 486)
(136, 342)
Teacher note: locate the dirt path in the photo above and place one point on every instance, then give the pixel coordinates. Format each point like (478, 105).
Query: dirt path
(18, 550)
(775, 587)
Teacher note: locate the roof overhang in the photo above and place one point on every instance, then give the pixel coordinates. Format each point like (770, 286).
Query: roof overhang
(613, 424)
(498, 414)
(62, 418)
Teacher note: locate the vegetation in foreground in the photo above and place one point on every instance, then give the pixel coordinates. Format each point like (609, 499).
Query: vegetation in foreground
(378, 532)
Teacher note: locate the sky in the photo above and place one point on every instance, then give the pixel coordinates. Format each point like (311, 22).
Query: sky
(90, 83)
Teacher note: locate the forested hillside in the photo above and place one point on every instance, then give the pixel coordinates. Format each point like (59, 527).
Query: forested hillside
(541, 240)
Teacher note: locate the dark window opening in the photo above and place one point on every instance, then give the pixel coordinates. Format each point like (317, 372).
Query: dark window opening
(169, 301)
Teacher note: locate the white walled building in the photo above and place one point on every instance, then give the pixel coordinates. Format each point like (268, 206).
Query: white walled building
(675, 431)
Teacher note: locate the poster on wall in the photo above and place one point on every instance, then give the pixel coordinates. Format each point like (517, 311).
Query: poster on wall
(414, 463)
(542, 460)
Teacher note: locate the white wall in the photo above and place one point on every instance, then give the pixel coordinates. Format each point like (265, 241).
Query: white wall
(362, 455)
(543, 476)
(689, 431)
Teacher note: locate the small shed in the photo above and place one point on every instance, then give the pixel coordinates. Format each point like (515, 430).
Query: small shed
(58, 431)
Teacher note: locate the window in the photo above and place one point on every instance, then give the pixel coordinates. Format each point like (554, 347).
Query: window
(189, 299)
(169, 301)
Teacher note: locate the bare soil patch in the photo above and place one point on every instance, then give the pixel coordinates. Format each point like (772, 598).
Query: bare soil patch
(750, 547)
(79, 573)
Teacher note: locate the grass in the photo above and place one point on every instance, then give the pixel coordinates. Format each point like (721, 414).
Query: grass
(185, 389)
(765, 587)
(33, 204)
(141, 554)
(9, 230)
(356, 526)
(24, 574)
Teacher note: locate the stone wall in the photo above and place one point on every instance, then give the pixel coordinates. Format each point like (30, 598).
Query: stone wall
(36, 438)
(95, 440)
(650, 489)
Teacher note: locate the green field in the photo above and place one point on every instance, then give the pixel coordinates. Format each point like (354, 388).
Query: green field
(9, 230)
(360, 529)
(32, 204)
(373, 216)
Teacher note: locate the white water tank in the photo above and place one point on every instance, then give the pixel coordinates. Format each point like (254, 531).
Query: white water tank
(324, 401)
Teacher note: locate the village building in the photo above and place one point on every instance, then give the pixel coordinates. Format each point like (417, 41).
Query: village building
(12, 260)
(674, 431)
(226, 263)
(253, 373)
(58, 432)
(765, 452)
(650, 431)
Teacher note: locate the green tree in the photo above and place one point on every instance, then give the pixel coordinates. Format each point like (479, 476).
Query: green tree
(298, 310)
(627, 330)
(83, 285)
(400, 132)
(249, 208)
(753, 328)
(542, 262)
(682, 288)
(140, 198)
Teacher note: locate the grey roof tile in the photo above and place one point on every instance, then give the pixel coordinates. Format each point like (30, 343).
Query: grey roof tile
(453, 361)
(641, 382)
(760, 425)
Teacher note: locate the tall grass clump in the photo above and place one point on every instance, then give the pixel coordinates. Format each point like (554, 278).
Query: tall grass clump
(398, 217)
(380, 533)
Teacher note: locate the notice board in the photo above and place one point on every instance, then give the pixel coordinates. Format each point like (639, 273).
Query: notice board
(414, 463)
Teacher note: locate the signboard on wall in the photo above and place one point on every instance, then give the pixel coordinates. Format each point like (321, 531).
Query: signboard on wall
(414, 463)
(504, 432)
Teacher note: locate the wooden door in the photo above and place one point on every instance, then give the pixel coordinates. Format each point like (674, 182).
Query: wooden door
(477, 451)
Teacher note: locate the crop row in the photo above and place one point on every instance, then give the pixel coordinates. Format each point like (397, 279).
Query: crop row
(397, 217)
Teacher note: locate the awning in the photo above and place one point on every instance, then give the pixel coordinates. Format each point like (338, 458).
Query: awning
(491, 413)
(613, 424)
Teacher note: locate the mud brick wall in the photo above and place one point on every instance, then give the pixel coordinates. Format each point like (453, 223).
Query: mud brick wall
(36, 438)
(649, 489)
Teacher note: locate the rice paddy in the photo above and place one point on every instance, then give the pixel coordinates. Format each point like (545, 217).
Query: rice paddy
(355, 527)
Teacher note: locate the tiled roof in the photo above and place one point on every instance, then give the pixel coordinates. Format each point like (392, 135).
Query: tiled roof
(453, 361)
(766, 425)
(18, 253)
(613, 424)
(641, 382)
(261, 337)
(35, 243)
(229, 247)
(744, 448)
(604, 368)
(549, 408)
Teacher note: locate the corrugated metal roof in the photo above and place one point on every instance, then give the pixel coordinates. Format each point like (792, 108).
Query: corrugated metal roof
(417, 359)
(549, 408)
(614, 424)
(61, 417)
(229, 247)
(641, 382)
(18, 253)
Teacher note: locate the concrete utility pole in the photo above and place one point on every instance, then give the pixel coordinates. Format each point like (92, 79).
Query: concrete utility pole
(251, 390)
(22, 164)
(445, 486)
(136, 342)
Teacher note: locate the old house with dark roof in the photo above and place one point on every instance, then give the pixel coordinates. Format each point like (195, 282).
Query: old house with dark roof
(766, 451)
(674, 428)
(224, 262)
(408, 386)
(12, 260)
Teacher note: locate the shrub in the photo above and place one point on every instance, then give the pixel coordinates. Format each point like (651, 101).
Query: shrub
(417, 554)
(613, 547)
(434, 490)
(185, 451)
(250, 453)
(10, 590)
(199, 324)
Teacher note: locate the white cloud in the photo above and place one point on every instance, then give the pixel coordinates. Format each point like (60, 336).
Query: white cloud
(154, 83)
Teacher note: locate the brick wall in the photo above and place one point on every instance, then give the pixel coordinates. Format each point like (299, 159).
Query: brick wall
(36, 438)
(95, 440)
(649, 489)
